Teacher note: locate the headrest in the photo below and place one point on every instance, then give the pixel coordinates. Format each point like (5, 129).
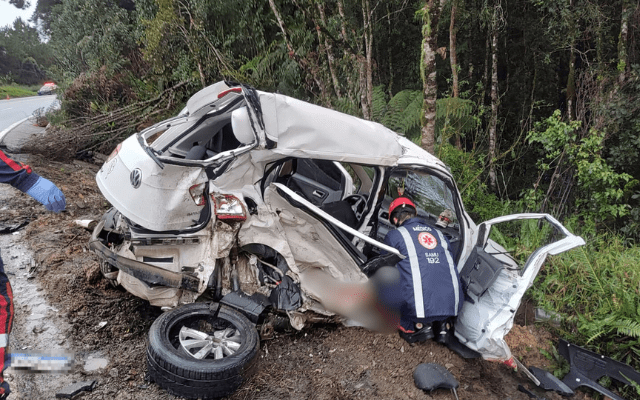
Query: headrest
(241, 126)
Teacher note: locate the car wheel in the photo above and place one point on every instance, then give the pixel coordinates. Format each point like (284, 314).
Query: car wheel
(201, 350)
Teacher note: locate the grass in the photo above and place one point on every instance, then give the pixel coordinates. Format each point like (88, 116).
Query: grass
(596, 288)
(17, 91)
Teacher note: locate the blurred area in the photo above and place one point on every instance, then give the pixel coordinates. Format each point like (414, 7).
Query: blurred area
(373, 304)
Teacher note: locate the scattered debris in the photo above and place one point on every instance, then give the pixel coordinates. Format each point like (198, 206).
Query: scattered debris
(87, 224)
(549, 382)
(72, 390)
(529, 393)
(434, 376)
(5, 229)
(587, 368)
(548, 316)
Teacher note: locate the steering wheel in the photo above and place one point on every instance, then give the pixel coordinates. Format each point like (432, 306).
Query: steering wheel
(358, 203)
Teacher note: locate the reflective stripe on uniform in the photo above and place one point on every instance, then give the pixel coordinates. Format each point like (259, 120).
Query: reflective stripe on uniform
(415, 271)
(4, 339)
(452, 271)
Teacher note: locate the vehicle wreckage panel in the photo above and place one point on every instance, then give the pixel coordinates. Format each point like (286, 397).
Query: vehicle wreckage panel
(483, 323)
(305, 130)
(167, 189)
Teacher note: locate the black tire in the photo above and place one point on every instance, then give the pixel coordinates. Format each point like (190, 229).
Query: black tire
(174, 369)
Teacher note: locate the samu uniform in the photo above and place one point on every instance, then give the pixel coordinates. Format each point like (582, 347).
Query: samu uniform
(430, 287)
(21, 177)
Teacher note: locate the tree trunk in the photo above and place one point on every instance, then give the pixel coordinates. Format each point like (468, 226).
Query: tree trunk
(623, 40)
(367, 95)
(353, 87)
(430, 14)
(310, 70)
(389, 55)
(203, 81)
(494, 104)
(329, 50)
(571, 78)
(485, 74)
(453, 59)
(281, 25)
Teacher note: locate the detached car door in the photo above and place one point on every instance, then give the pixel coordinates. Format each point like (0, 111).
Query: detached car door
(498, 272)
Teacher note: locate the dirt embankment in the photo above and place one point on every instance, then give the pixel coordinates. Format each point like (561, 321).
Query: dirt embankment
(100, 322)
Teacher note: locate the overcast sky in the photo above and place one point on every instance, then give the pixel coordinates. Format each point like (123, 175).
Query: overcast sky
(8, 13)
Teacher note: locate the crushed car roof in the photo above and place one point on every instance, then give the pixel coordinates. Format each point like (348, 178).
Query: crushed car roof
(306, 130)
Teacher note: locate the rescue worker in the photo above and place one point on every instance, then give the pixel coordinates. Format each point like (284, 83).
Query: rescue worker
(430, 287)
(24, 179)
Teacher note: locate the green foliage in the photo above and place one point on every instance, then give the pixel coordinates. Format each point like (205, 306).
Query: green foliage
(597, 290)
(467, 168)
(16, 91)
(455, 116)
(23, 57)
(402, 114)
(87, 35)
(601, 193)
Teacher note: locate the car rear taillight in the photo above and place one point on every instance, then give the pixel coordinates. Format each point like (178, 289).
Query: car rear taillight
(232, 90)
(229, 207)
(114, 152)
(197, 194)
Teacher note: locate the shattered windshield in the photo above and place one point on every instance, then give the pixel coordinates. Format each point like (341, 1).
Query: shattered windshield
(430, 193)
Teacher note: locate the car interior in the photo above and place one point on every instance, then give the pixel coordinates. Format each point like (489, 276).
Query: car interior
(324, 184)
(211, 135)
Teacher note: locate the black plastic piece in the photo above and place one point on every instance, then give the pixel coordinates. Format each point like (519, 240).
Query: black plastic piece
(70, 391)
(529, 393)
(215, 282)
(244, 303)
(374, 264)
(433, 376)
(421, 335)
(549, 382)
(286, 296)
(588, 367)
(460, 349)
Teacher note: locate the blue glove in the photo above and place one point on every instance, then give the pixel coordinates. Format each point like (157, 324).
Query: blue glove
(48, 194)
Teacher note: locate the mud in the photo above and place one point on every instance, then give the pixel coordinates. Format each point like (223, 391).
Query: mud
(66, 305)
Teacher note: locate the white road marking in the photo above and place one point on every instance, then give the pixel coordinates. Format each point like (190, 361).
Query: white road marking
(4, 132)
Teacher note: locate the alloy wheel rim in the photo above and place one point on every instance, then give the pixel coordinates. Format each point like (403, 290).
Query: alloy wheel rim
(200, 345)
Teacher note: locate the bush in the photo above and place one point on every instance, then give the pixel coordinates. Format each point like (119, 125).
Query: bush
(16, 91)
(468, 169)
(596, 289)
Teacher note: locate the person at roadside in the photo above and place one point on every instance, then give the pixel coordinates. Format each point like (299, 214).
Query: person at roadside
(24, 179)
(430, 288)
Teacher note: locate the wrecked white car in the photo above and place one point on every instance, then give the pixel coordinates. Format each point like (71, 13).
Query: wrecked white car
(238, 199)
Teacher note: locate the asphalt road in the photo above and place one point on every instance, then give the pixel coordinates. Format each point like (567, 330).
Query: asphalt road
(15, 110)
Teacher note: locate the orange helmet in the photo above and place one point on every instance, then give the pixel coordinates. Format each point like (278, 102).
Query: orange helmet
(400, 201)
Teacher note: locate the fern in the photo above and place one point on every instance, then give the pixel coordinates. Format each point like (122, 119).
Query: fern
(402, 113)
(628, 327)
(454, 115)
(379, 103)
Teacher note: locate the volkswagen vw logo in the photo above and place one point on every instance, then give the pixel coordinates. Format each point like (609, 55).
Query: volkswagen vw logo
(136, 178)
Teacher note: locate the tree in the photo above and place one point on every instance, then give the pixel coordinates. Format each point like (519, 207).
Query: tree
(23, 56)
(90, 35)
(430, 14)
(493, 123)
(22, 4)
